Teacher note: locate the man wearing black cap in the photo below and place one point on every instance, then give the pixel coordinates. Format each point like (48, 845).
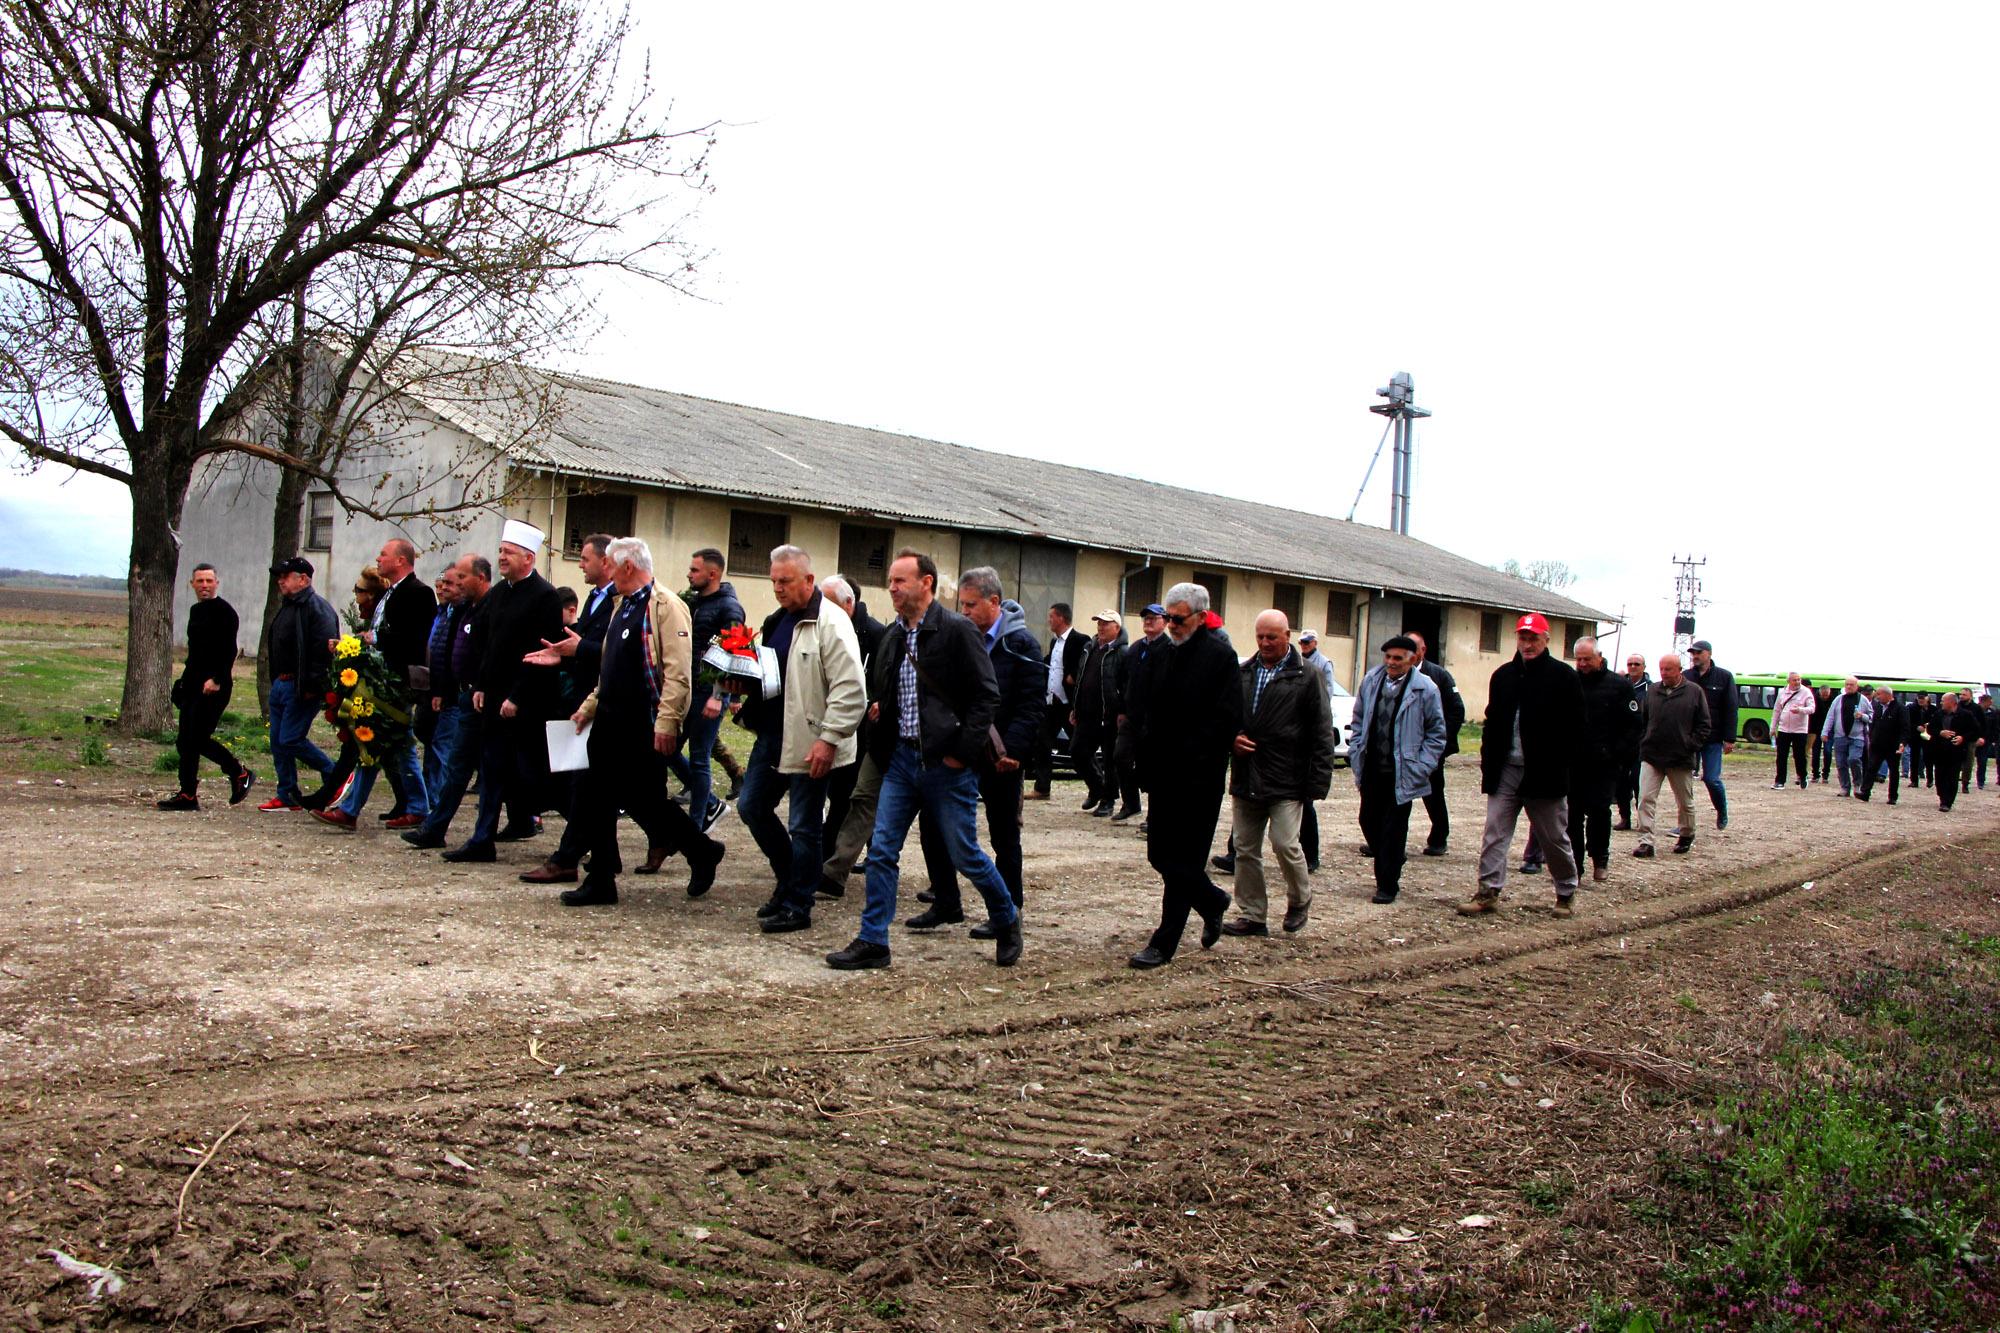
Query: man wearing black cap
(1141, 660)
(1454, 718)
(301, 664)
(1720, 687)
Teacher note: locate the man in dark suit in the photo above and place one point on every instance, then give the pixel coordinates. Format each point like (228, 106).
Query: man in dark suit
(1887, 739)
(202, 692)
(1454, 718)
(401, 632)
(1194, 711)
(513, 697)
(1064, 662)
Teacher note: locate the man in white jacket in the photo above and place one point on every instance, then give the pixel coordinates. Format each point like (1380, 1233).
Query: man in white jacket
(1847, 722)
(1791, 719)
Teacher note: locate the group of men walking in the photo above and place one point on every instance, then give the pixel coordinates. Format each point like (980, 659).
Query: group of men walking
(1867, 736)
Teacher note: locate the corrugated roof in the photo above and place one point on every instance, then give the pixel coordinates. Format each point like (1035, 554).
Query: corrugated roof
(622, 432)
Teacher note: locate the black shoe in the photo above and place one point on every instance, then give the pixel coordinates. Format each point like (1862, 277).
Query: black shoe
(702, 865)
(1643, 851)
(1684, 845)
(593, 892)
(417, 837)
(771, 908)
(1147, 958)
(393, 812)
(1312, 867)
(1102, 812)
(1366, 850)
(1142, 826)
(1622, 826)
(1007, 944)
(318, 800)
(1861, 796)
(1243, 926)
(1295, 920)
(180, 800)
(931, 918)
(1124, 813)
(1383, 898)
(1531, 867)
(472, 851)
(858, 955)
(1211, 927)
(784, 921)
(926, 896)
(831, 888)
(984, 930)
(240, 785)
(1722, 819)
(716, 810)
(1090, 803)
(1437, 850)
(519, 833)
(1225, 864)
(735, 788)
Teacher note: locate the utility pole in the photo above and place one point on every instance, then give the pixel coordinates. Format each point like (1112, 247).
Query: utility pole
(1401, 409)
(1687, 596)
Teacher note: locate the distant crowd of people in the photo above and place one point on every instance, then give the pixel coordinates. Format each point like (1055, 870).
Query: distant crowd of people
(864, 730)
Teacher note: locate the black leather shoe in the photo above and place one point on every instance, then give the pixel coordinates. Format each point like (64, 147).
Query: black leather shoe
(983, 931)
(1643, 851)
(472, 851)
(1238, 926)
(931, 918)
(1685, 845)
(771, 908)
(520, 833)
(1123, 814)
(393, 812)
(593, 892)
(858, 955)
(1380, 899)
(1007, 945)
(1531, 867)
(1102, 812)
(416, 837)
(784, 921)
(1295, 920)
(1722, 819)
(1146, 958)
(180, 800)
(240, 785)
(1089, 803)
(702, 865)
(1434, 851)
(1225, 864)
(1211, 927)
(830, 888)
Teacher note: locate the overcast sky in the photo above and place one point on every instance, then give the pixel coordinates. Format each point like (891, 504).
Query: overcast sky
(1716, 279)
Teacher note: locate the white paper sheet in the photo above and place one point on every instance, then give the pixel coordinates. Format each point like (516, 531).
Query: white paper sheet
(569, 750)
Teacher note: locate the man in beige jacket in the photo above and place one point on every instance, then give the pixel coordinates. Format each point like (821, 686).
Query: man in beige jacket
(802, 735)
(645, 676)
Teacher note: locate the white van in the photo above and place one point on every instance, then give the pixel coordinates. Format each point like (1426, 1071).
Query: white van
(1343, 721)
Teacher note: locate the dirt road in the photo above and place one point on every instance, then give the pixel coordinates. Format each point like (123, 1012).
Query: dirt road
(456, 1103)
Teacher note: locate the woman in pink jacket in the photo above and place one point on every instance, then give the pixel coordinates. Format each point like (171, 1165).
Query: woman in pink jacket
(1791, 717)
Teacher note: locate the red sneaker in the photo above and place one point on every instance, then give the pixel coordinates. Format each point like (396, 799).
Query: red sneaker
(339, 819)
(406, 821)
(274, 805)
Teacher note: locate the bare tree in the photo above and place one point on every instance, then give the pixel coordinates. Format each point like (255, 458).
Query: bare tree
(1551, 574)
(239, 227)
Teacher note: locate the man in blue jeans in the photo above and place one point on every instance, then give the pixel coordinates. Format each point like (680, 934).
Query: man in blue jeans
(935, 698)
(1720, 687)
(301, 663)
(713, 608)
(1848, 723)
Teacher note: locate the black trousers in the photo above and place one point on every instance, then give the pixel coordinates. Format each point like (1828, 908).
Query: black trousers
(1124, 762)
(1385, 827)
(1043, 764)
(1180, 832)
(1628, 792)
(196, 740)
(1590, 817)
(1086, 741)
(1875, 762)
(626, 770)
(1794, 743)
(1947, 763)
(1002, 794)
(1308, 835)
(1822, 758)
(1439, 812)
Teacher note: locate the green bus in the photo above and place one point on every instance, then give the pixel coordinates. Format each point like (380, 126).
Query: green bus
(1756, 695)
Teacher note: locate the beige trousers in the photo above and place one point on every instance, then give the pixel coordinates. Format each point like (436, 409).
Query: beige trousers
(1650, 778)
(1249, 821)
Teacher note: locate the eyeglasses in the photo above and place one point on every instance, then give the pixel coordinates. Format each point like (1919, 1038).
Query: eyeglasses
(1182, 620)
(363, 592)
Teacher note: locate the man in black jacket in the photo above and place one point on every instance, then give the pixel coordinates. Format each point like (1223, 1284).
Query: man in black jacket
(1954, 736)
(301, 664)
(400, 631)
(1534, 723)
(1063, 661)
(1283, 762)
(1611, 730)
(1887, 739)
(934, 698)
(1194, 710)
(513, 697)
(1019, 676)
(1093, 714)
(1638, 682)
(1720, 687)
(714, 607)
(202, 692)
(1134, 674)
(1454, 718)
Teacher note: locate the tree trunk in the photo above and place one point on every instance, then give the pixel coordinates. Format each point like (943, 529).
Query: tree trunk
(149, 617)
(284, 541)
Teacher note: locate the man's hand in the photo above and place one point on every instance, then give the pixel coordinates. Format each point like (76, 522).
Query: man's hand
(580, 720)
(437, 703)
(1006, 764)
(950, 762)
(210, 687)
(713, 708)
(332, 644)
(819, 759)
(665, 742)
(1729, 747)
(366, 636)
(1244, 745)
(479, 701)
(508, 710)
(875, 712)
(553, 651)
(1072, 721)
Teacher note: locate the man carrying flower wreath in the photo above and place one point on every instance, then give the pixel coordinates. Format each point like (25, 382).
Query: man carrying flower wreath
(400, 631)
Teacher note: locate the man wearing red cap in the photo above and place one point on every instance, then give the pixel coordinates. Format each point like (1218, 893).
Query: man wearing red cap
(1534, 723)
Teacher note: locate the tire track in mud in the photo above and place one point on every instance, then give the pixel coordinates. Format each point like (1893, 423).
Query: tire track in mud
(727, 1187)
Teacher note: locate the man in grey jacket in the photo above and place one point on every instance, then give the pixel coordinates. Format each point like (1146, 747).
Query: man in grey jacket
(1677, 728)
(1397, 744)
